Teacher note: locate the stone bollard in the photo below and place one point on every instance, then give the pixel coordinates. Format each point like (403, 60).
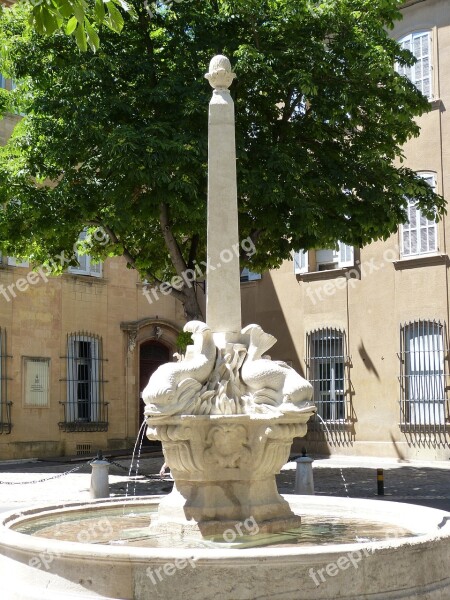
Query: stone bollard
(304, 480)
(99, 477)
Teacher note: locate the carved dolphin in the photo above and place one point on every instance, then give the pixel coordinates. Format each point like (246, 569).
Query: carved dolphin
(276, 382)
(163, 386)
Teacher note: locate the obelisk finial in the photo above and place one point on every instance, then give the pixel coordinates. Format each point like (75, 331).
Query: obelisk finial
(220, 75)
(223, 290)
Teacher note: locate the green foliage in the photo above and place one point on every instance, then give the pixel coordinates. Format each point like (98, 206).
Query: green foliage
(184, 338)
(321, 120)
(79, 17)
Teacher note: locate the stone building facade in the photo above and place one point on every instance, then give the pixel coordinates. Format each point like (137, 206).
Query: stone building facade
(371, 324)
(369, 327)
(76, 351)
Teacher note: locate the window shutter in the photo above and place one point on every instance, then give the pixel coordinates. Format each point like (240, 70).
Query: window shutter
(405, 71)
(12, 261)
(254, 276)
(346, 255)
(421, 72)
(429, 178)
(419, 234)
(422, 68)
(82, 265)
(95, 268)
(247, 275)
(85, 264)
(300, 262)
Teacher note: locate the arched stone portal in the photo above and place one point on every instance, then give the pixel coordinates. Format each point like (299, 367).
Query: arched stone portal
(150, 342)
(152, 354)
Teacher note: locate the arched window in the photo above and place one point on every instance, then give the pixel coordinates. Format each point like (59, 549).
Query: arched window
(326, 370)
(423, 395)
(419, 234)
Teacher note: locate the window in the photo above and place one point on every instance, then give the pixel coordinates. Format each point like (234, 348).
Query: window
(326, 371)
(325, 259)
(247, 275)
(15, 262)
(85, 264)
(5, 405)
(419, 234)
(2, 82)
(85, 409)
(301, 262)
(419, 44)
(423, 396)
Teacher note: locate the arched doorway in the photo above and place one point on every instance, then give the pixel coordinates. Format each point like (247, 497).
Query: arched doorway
(152, 354)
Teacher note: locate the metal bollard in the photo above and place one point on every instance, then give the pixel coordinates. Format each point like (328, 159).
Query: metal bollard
(99, 477)
(304, 480)
(380, 482)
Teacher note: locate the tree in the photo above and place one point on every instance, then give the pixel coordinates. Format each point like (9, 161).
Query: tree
(78, 17)
(122, 133)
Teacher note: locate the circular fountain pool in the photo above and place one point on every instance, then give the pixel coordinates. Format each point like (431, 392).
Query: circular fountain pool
(345, 548)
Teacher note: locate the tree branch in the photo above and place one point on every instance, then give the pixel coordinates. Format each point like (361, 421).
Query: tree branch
(131, 260)
(193, 250)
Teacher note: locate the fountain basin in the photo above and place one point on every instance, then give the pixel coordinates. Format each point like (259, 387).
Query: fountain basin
(415, 566)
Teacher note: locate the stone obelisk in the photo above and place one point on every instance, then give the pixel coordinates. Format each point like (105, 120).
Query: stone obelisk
(223, 300)
(226, 414)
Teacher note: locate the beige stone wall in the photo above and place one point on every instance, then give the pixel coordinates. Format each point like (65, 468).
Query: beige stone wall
(37, 322)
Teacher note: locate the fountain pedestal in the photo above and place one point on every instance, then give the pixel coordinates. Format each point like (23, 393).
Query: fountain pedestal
(224, 469)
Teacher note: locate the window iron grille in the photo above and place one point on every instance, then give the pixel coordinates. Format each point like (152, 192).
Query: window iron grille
(83, 449)
(424, 404)
(85, 408)
(327, 364)
(5, 404)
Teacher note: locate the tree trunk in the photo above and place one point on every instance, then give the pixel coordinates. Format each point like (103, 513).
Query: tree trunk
(191, 306)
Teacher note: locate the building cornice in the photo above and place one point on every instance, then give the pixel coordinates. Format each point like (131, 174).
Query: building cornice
(421, 261)
(410, 3)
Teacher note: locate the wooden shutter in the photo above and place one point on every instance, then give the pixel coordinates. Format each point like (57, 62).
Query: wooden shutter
(300, 262)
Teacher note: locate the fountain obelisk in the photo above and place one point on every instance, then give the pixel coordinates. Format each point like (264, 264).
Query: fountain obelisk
(226, 414)
(223, 299)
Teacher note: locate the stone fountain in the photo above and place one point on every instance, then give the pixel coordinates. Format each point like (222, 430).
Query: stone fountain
(226, 415)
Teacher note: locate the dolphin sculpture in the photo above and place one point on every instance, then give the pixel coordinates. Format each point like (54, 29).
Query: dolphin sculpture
(273, 383)
(173, 384)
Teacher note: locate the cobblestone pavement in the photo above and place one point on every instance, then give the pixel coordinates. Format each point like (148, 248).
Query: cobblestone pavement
(427, 484)
(42, 482)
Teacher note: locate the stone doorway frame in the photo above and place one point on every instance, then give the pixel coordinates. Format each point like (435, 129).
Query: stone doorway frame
(139, 332)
